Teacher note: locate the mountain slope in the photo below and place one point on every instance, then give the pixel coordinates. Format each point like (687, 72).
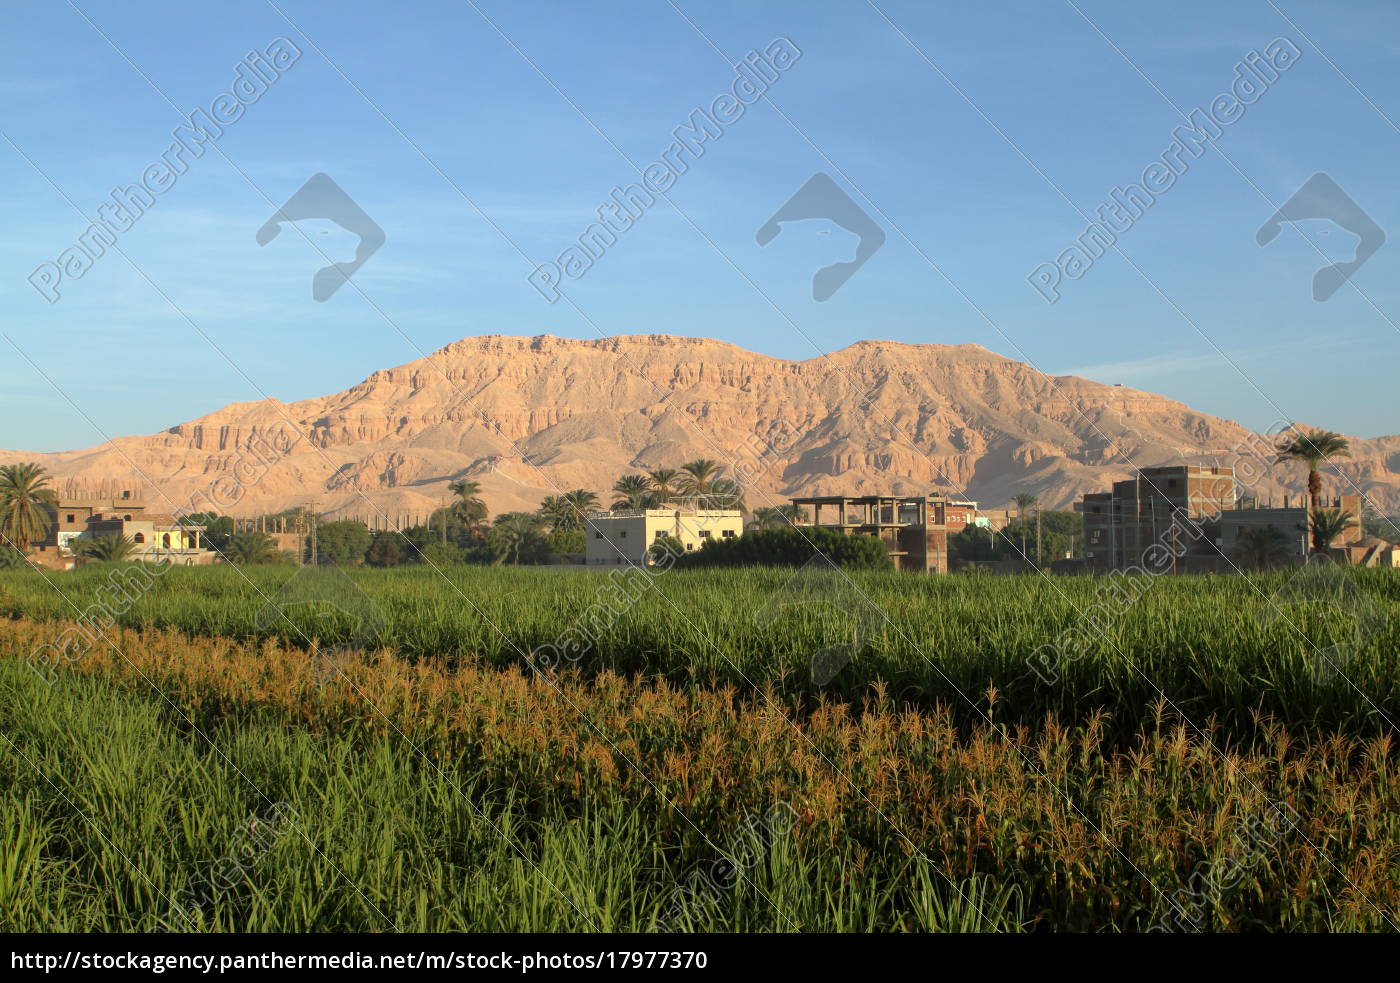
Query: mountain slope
(529, 417)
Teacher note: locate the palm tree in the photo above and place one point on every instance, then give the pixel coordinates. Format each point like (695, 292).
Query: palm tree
(665, 482)
(250, 547)
(1327, 525)
(25, 504)
(1024, 502)
(779, 516)
(1261, 547)
(555, 512)
(578, 504)
(512, 535)
(1312, 449)
(468, 508)
(726, 493)
(112, 548)
(699, 475)
(634, 491)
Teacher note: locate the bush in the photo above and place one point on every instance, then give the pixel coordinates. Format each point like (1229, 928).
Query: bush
(565, 541)
(343, 542)
(791, 547)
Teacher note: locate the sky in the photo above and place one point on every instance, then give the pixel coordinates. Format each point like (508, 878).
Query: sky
(482, 137)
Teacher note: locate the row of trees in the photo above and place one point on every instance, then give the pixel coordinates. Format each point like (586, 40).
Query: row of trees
(461, 531)
(701, 483)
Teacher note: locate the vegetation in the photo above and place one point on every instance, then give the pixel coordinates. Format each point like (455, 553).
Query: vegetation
(1327, 525)
(1312, 449)
(343, 542)
(791, 547)
(26, 504)
(1260, 548)
(517, 537)
(111, 548)
(169, 782)
(1056, 534)
(778, 516)
(251, 547)
(469, 510)
(1224, 647)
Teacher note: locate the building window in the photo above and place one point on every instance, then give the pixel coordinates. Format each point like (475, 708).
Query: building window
(704, 534)
(71, 519)
(126, 518)
(690, 546)
(727, 534)
(140, 537)
(622, 534)
(597, 535)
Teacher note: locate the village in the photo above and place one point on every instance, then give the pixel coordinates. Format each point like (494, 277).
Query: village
(1201, 515)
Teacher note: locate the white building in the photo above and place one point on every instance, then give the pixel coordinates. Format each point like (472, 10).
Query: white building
(617, 538)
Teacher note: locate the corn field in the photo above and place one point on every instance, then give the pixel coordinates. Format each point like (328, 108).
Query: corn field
(393, 753)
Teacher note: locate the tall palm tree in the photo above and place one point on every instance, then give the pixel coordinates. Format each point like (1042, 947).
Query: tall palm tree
(1024, 502)
(1261, 547)
(1312, 449)
(513, 534)
(634, 491)
(250, 547)
(665, 482)
(725, 493)
(580, 503)
(469, 508)
(555, 512)
(112, 548)
(1327, 525)
(25, 504)
(698, 479)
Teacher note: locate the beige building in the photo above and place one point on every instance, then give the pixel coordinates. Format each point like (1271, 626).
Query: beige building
(624, 537)
(157, 538)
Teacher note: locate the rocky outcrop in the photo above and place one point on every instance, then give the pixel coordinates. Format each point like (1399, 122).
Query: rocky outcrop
(529, 417)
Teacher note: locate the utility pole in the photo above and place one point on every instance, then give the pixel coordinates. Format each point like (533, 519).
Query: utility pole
(311, 517)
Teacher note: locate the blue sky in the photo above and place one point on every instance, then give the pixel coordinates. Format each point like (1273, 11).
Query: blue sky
(483, 136)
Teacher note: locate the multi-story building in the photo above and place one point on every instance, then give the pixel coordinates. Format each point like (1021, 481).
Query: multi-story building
(1291, 524)
(1150, 509)
(157, 538)
(914, 529)
(626, 536)
(120, 513)
(1192, 512)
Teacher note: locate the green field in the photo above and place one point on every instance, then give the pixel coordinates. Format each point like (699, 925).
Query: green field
(389, 757)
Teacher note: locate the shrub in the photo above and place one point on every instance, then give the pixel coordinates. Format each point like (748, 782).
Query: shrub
(790, 547)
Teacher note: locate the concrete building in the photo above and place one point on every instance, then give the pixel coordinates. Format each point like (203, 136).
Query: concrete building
(1122, 524)
(914, 529)
(119, 512)
(1289, 523)
(624, 537)
(157, 538)
(1152, 508)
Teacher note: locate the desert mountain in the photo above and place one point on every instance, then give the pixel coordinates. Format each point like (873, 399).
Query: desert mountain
(529, 417)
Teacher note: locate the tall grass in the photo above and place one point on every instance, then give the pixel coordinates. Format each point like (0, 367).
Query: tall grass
(1215, 647)
(435, 795)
